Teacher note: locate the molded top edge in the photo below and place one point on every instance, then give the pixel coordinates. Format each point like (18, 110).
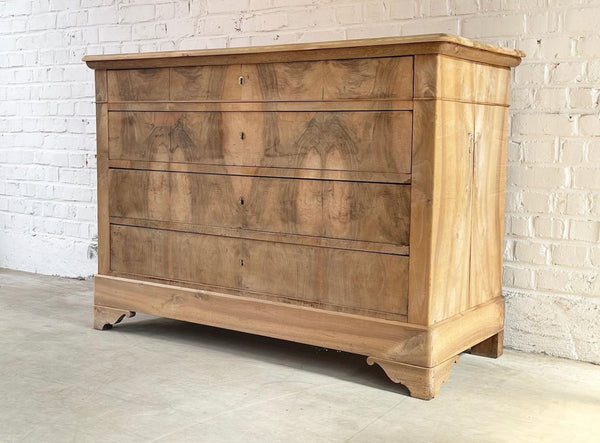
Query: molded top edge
(94, 60)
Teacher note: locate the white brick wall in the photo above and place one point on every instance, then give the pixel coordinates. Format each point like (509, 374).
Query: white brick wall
(552, 252)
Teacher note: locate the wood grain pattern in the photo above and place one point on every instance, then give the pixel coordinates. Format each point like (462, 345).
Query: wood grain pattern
(259, 171)
(489, 190)
(265, 106)
(105, 318)
(465, 330)
(335, 330)
(396, 341)
(441, 210)
(138, 84)
(491, 347)
(423, 383)
(206, 83)
(370, 212)
(374, 78)
(102, 173)
(279, 191)
(275, 237)
(449, 78)
(365, 48)
(348, 141)
(329, 276)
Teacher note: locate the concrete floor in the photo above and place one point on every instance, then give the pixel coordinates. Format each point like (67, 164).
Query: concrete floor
(162, 380)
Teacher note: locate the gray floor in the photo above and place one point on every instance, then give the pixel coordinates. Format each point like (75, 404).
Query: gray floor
(153, 379)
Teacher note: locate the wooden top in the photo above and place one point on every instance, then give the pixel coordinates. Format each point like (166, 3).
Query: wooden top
(376, 47)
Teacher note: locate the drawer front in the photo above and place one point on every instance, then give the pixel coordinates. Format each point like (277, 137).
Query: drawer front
(335, 277)
(375, 78)
(206, 83)
(338, 209)
(368, 78)
(370, 141)
(138, 85)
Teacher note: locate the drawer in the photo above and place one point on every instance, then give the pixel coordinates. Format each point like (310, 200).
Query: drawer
(368, 78)
(369, 141)
(370, 212)
(335, 277)
(138, 84)
(365, 78)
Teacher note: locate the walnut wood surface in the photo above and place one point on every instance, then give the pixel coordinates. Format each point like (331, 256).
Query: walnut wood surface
(138, 84)
(378, 78)
(377, 47)
(102, 172)
(267, 190)
(347, 141)
(491, 347)
(260, 171)
(105, 318)
(330, 276)
(441, 210)
(450, 78)
(396, 341)
(458, 186)
(347, 210)
(423, 383)
(489, 191)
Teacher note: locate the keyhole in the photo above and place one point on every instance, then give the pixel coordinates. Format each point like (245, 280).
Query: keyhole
(242, 135)
(241, 80)
(242, 201)
(241, 262)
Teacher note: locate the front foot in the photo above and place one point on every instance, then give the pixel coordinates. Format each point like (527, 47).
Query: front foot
(423, 383)
(105, 318)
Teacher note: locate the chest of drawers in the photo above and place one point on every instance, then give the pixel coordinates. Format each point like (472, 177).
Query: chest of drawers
(347, 195)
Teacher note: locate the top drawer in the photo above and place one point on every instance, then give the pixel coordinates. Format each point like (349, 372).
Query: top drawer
(369, 78)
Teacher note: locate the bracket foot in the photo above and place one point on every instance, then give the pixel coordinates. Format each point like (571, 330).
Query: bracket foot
(105, 318)
(423, 383)
(492, 347)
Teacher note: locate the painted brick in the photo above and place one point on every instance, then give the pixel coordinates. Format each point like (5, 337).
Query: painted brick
(102, 16)
(568, 255)
(494, 26)
(529, 252)
(136, 14)
(115, 33)
(584, 19)
(585, 230)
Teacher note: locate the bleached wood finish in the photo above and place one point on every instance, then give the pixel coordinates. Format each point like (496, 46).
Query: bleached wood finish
(342, 141)
(397, 340)
(371, 212)
(423, 383)
(345, 194)
(450, 78)
(106, 318)
(492, 347)
(327, 276)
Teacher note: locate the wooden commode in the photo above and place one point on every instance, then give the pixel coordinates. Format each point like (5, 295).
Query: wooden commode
(346, 194)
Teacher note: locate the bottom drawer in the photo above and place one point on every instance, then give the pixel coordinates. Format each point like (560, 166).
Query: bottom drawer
(323, 276)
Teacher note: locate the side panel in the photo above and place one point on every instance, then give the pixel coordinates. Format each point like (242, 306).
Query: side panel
(440, 226)
(102, 171)
(489, 190)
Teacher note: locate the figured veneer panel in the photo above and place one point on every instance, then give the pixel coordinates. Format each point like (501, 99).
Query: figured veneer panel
(374, 78)
(489, 194)
(449, 78)
(339, 209)
(321, 275)
(369, 141)
(206, 83)
(138, 84)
